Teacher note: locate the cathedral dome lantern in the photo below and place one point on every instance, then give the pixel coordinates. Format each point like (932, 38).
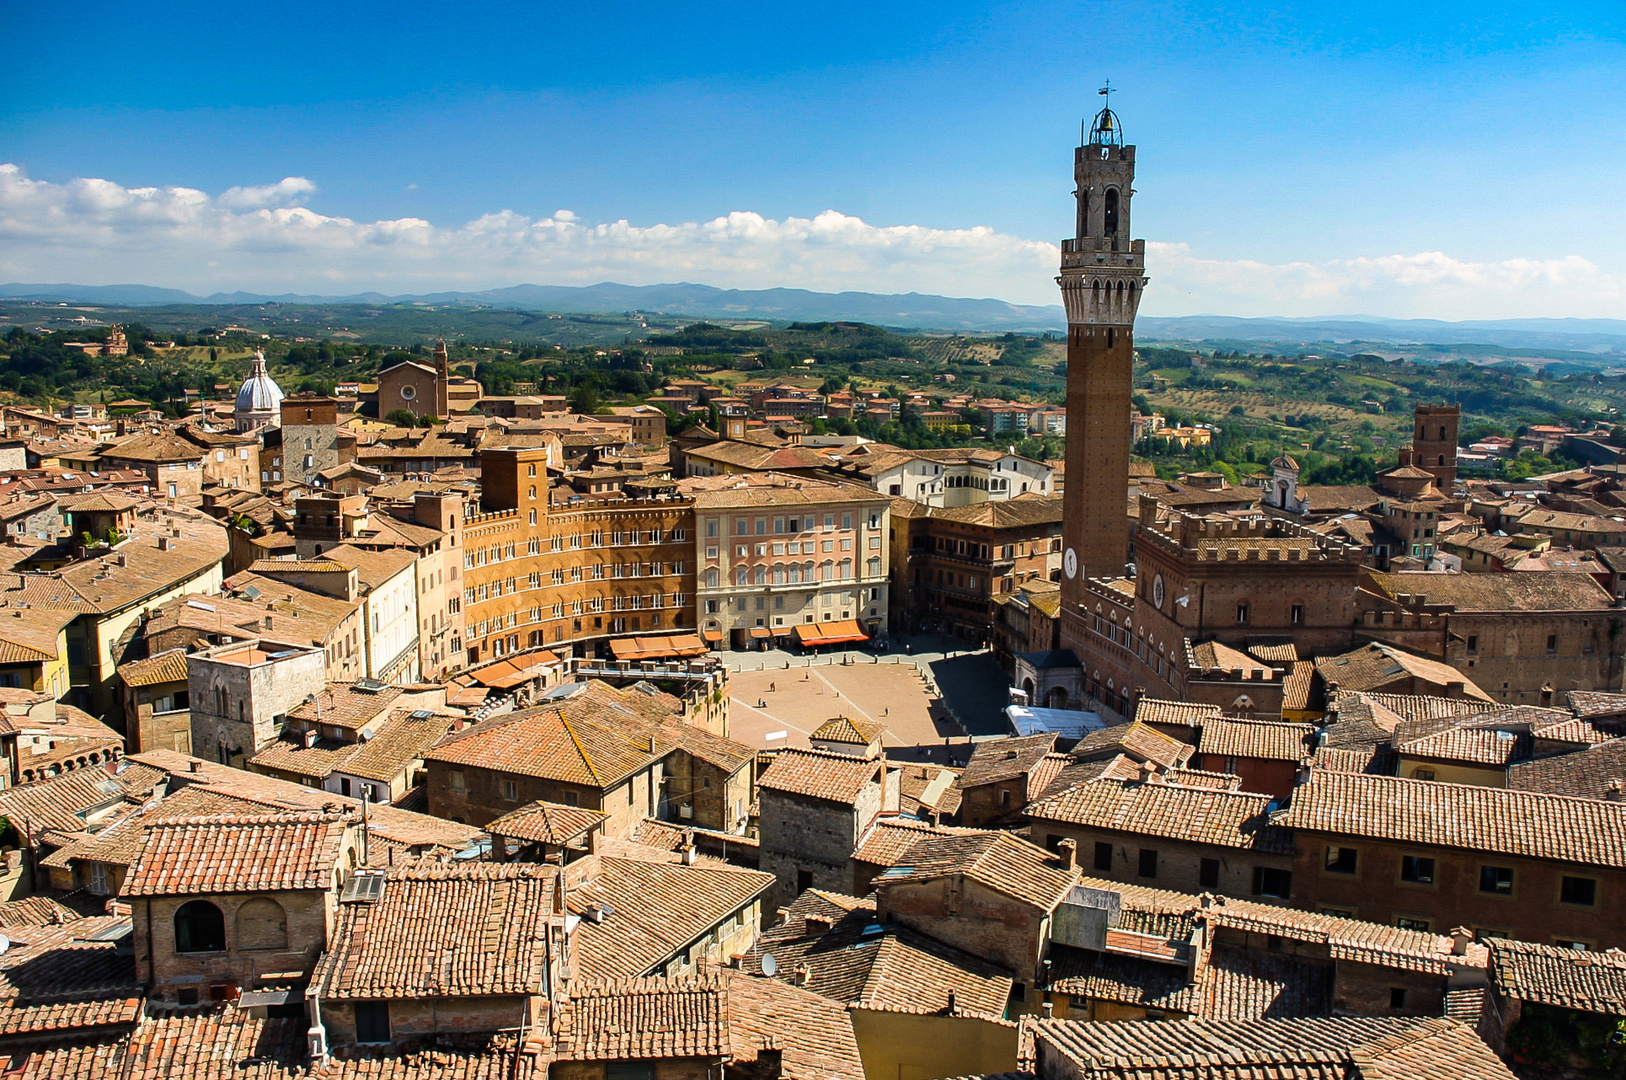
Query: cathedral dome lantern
(259, 399)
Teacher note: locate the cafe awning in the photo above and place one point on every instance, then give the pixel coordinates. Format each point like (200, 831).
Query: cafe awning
(760, 632)
(711, 635)
(657, 647)
(830, 633)
(507, 674)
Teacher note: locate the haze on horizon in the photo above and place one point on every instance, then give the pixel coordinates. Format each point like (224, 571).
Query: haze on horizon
(1446, 161)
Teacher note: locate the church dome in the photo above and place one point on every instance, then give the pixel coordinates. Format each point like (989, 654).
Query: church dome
(258, 394)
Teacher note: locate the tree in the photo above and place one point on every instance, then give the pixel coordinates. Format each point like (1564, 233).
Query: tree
(401, 418)
(584, 400)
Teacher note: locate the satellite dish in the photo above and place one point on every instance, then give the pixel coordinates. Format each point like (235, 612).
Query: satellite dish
(5, 943)
(770, 966)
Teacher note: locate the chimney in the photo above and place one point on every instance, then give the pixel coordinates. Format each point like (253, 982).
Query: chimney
(163, 543)
(1461, 938)
(1612, 792)
(1301, 775)
(1048, 1009)
(194, 765)
(1067, 851)
(799, 977)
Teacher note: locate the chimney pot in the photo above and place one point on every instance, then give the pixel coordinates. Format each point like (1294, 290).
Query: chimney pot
(1613, 792)
(1067, 850)
(1049, 1009)
(194, 766)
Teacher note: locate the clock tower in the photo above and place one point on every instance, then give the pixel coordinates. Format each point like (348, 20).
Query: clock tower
(1102, 275)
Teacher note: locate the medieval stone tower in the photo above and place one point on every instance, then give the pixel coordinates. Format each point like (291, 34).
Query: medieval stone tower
(1102, 275)
(1435, 447)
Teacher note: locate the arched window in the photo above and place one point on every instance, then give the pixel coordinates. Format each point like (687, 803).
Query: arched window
(740, 576)
(1111, 223)
(762, 575)
(199, 927)
(711, 579)
(262, 924)
(1057, 698)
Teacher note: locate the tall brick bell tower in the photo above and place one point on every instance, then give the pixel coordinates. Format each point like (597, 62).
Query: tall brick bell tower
(1102, 275)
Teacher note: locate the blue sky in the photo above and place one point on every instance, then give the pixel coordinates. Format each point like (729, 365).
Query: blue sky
(1447, 160)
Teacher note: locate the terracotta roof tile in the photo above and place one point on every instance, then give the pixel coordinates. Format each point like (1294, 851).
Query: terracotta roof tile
(1462, 816)
(1005, 759)
(1190, 713)
(239, 853)
(996, 860)
(631, 1019)
(547, 823)
(1584, 774)
(167, 666)
(1272, 740)
(814, 1035)
(1237, 819)
(1330, 1048)
(438, 931)
(1588, 981)
(820, 775)
(848, 955)
(656, 909)
(844, 729)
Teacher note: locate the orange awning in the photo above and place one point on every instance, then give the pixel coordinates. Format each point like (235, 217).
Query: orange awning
(830, 633)
(712, 635)
(761, 632)
(657, 647)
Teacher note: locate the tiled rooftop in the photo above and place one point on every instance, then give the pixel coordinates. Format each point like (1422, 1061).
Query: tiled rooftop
(656, 909)
(1588, 981)
(1333, 1048)
(444, 931)
(996, 860)
(239, 853)
(1462, 816)
(1266, 739)
(1236, 819)
(820, 775)
(624, 1020)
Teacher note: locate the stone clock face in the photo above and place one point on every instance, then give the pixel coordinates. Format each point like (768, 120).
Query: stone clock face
(1069, 563)
(1157, 591)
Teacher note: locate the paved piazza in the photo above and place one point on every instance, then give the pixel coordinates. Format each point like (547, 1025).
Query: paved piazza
(924, 698)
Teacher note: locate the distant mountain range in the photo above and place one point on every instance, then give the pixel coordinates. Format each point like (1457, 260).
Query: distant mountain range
(700, 301)
(905, 310)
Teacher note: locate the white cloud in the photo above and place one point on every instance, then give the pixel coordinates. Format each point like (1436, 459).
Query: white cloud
(288, 190)
(261, 238)
(1429, 284)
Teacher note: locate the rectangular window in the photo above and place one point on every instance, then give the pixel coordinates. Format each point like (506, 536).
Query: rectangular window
(1580, 891)
(1208, 873)
(1417, 869)
(1397, 997)
(1552, 643)
(1148, 862)
(1496, 880)
(1273, 882)
(1296, 615)
(1242, 614)
(454, 780)
(1571, 943)
(1103, 856)
(1407, 922)
(510, 791)
(1340, 860)
(1473, 643)
(372, 1021)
